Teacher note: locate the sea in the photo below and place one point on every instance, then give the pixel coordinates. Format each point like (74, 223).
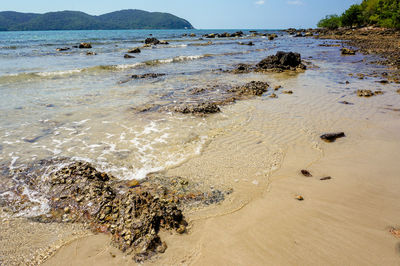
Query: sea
(73, 106)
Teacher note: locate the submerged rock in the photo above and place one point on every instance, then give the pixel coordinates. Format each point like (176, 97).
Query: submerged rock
(91, 53)
(197, 108)
(85, 45)
(248, 43)
(153, 41)
(331, 137)
(365, 93)
(148, 76)
(127, 56)
(134, 51)
(281, 61)
(347, 51)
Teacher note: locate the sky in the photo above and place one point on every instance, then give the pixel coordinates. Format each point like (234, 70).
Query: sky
(204, 14)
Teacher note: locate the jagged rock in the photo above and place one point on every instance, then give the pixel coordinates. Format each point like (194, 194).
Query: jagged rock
(281, 61)
(134, 50)
(153, 41)
(63, 49)
(331, 137)
(85, 45)
(347, 51)
(197, 108)
(127, 56)
(254, 88)
(148, 76)
(365, 93)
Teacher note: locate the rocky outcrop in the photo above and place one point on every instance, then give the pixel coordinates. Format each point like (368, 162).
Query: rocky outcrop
(85, 45)
(281, 61)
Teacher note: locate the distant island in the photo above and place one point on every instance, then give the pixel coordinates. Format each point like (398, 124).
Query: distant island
(75, 20)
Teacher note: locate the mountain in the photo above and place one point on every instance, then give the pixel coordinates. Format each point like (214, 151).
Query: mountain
(75, 20)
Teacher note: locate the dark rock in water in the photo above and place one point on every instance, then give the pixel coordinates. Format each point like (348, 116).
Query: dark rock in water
(325, 178)
(237, 34)
(346, 102)
(379, 92)
(248, 43)
(210, 36)
(365, 93)
(85, 45)
(192, 35)
(163, 42)
(224, 35)
(347, 51)
(129, 56)
(243, 68)
(63, 49)
(384, 81)
(91, 53)
(153, 41)
(273, 95)
(331, 137)
(281, 61)
(306, 173)
(197, 108)
(148, 76)
(287, 92)
(134, 51)
(271, 38)
(254, 88)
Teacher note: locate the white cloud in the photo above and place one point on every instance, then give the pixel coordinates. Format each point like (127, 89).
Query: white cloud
(260, 2)
(295, 2)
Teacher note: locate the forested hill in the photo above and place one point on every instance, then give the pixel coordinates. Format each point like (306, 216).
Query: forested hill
(383, 13)
(74, 20)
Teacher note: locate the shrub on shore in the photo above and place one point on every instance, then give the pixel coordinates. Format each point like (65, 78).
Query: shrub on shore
(383, 13)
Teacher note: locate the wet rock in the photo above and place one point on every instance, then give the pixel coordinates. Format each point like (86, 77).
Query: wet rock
(146, 108)
(384, 81)
(277, 87)
(248, 43)
(365, 93)
(331, 137)
(273, 95)
(398, 91)
(271, 38)
(85, 45)
(306, 173)
(287, 92)
(91, 53)
(347, 51)
(379, 92)
(152, 41)
(197, 108)
(148, 76)
(395, 232)
(63, 49)
(192, 35)
(210, 36)
(127, 56)
(325, 178)
(253, 88)
(134, 51)
(224, 35)
(299, 198)
(243, 68)
(346, 102)
(181, 229)
(281, 61)
(132, 183)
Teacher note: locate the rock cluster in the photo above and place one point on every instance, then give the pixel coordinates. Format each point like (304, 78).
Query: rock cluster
(224, 35)
(253, 88)
(281, 61)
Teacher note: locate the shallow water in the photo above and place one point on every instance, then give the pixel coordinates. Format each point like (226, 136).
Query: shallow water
(71, 105)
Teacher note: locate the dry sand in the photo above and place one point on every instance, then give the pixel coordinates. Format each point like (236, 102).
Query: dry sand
(342, 221)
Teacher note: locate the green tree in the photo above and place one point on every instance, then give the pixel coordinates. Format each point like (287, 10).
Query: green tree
(330, 22)
(352, 16)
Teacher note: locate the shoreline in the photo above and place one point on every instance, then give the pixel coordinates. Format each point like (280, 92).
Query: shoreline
(261, 163)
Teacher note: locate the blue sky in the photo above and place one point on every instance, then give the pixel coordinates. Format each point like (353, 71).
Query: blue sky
(204, 14)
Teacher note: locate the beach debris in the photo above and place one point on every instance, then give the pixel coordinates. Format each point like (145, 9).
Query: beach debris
(85, 45)
(281, 61)
(325, 178)
(127, 56)
(395, 232)
(347, 51)
(299, 198)
(287, 92)
(331, 137)
(63, 49)
(134, 50)
(365, 93)
(306, 173)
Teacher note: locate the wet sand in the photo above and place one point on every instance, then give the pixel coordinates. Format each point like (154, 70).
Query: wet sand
(344, 220)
